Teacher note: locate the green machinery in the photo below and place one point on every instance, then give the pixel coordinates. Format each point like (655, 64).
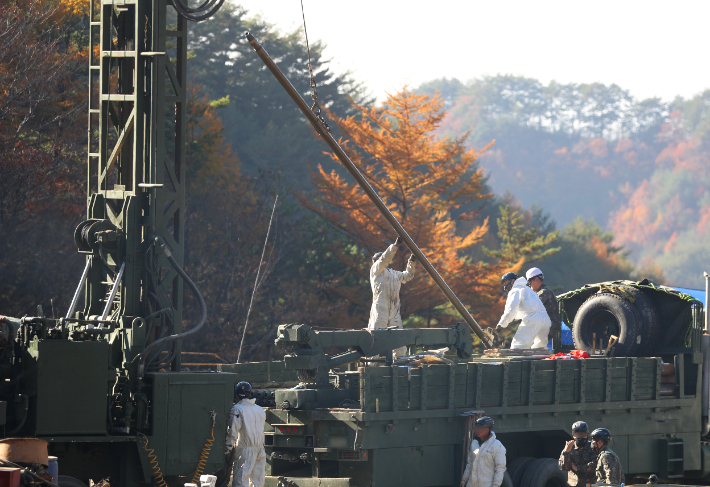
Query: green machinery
(394, 425)
(404, 426)
(103, 385)
(105, 379)
(312, 364)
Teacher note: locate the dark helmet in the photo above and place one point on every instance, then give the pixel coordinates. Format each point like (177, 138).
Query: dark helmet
(376, 256)
(485, 421)
(508, 276)
(242, 390)
(601, 434)
(505, 281)
(653, 479)
(580, 427)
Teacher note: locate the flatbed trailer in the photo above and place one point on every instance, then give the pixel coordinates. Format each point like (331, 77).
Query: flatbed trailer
(406, 426)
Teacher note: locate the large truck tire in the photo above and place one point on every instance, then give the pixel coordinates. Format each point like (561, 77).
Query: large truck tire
(608, 314)
(651, 322)
(675, 334)
(507, 481)
(517, 467)
(544, 472)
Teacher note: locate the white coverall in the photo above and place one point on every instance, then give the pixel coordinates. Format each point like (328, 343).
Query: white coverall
(247, 432)
(385, 285)
(485, 466)
(524, 304)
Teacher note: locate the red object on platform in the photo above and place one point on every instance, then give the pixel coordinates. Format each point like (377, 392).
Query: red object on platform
(9, 477)
(571, 355)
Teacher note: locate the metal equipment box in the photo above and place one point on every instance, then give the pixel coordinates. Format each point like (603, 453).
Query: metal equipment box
(182, 420)
(70, 384)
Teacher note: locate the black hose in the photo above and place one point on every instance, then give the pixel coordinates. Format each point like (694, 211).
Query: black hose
(179, 336)
(26, 401)
(210, 6)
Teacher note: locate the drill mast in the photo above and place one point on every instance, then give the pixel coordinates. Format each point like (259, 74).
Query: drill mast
(136, 166)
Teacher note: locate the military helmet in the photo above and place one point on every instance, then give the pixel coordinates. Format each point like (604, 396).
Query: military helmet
(376, 256)
(601, 434)
(505, 281)
(242, 390)
(580, 427)
(485, 421)
(508, 276)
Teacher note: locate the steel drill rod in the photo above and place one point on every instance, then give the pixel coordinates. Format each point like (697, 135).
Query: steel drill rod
(353, 170)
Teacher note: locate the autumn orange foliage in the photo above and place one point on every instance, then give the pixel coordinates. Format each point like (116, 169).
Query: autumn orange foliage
(426, 182)
(42, 151)
(209, 155)
(667, 216)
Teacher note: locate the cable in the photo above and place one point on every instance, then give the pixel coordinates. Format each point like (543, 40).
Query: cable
(26, 404)
(210, 7)
(179, 336)
(256, 281)
(152, 457)
(204, 455)
(314, 92)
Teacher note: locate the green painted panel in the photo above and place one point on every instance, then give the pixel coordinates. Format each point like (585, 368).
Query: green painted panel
(71, 380)
(419, 462)
(181, 418)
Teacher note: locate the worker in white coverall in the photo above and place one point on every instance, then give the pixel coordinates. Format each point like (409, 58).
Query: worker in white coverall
(246, 434)
(524, 304)
(485, 466)
(385, 285)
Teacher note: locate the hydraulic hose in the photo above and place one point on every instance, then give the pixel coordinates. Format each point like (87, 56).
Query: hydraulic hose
(210, 7)
(178, 336)
(25, 413)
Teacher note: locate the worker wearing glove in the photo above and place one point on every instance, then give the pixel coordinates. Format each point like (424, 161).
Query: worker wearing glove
(524, 304)
(578, 458)
(485, 466)
(386, 283)
(549, 300)
(246, 435)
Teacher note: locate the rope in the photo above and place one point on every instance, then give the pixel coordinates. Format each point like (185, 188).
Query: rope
(618, 290)
(314, 93)
(256, 281)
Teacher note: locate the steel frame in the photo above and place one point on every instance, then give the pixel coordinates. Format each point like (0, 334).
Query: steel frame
(136, 147)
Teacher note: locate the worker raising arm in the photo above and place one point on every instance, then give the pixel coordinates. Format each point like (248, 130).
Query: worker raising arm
(578, 458)
(386, 283)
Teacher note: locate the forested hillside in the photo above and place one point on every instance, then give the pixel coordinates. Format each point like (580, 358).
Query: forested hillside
(262, 124)
(637, 168)
(618, 175)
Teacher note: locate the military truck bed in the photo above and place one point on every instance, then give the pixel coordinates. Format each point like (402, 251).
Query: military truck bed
(417, 416)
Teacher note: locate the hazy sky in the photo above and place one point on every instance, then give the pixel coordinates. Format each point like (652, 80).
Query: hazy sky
(651, 48)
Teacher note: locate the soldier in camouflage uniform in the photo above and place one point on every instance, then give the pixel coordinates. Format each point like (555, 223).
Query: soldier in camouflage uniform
(578, 458)
(549, 300)
(609, 469)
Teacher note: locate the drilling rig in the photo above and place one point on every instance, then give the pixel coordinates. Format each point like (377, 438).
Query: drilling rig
(103, 384)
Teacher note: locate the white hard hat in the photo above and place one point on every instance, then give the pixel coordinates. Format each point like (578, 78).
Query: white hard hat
(533, 273)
